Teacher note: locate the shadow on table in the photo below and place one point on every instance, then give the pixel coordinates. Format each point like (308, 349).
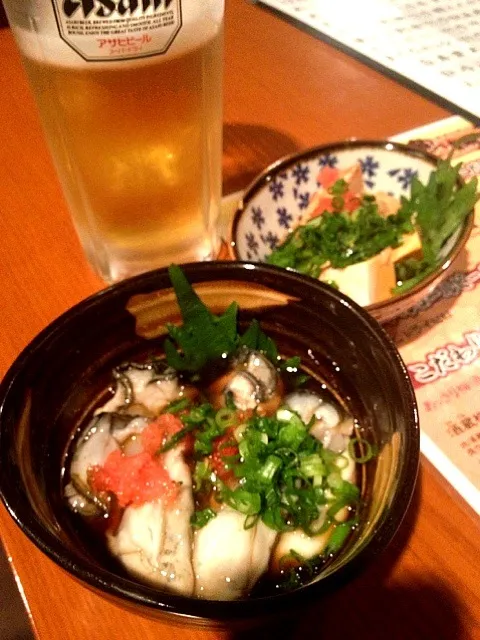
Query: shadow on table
(248, 149)
(369, 608)
(14, 623)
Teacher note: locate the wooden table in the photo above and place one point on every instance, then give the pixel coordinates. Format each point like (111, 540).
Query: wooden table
(284, 90)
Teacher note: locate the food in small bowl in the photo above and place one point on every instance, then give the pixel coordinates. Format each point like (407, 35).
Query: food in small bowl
(378, 220)
(214, 455)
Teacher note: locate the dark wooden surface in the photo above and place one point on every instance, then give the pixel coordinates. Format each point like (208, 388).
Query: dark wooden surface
(284, 90)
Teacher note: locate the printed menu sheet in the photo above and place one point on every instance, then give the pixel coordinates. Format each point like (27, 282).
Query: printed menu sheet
(439, 339)
(432, 45)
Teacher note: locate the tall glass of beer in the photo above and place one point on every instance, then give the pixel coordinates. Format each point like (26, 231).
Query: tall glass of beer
(130, 98)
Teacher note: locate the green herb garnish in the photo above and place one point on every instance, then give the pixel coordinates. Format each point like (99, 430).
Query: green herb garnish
(285, 476)
(339, 535)
(200, 518)
(177, 405)
(176, 438)
(256, 340)
(287, 469)
(204, 337)
(339, 239)
(208, 428)
(438, 208)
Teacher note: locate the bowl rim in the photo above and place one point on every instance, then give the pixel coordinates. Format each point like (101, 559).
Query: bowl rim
(198, 611)
(344, 145)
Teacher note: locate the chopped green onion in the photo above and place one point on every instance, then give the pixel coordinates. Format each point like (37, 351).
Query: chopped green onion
(286, 477)
(239, 431)
(270, 468)
(197, 415)
(337, 506)
(274, 518)
(292, 434)
(339, 535)
(289, 456)
(203, 448)
(319, 526)
(312, 466)
(225, 418)
(284, 414)
(341, 462)
(242, 500)
(252, 444)
(177, 405)
(271, 496)
(200, 518)
(201, 473)
(334, 480)
(363, 444)
(175, 439)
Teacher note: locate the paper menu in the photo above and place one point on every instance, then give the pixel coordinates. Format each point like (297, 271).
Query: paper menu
(439, 339)
(431, 45)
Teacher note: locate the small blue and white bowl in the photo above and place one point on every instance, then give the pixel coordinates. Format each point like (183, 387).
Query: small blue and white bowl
(273, 204)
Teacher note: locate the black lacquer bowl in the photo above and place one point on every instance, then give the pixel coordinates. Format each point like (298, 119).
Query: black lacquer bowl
(63, 373)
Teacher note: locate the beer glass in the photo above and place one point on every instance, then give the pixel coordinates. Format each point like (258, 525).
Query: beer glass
(129, 94)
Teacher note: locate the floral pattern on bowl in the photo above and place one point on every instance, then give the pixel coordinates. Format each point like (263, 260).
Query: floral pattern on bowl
(275, 202)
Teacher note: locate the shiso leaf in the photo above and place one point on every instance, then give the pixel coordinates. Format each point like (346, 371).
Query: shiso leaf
(438, 208)
(254, 338)
(203, 336)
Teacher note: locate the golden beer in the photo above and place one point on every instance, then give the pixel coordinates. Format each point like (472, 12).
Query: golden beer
(137, 148)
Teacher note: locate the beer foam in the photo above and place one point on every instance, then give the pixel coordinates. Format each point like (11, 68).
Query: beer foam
(201, 22)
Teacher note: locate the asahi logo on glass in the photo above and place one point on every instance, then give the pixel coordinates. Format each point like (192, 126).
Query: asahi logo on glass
(100, 30)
